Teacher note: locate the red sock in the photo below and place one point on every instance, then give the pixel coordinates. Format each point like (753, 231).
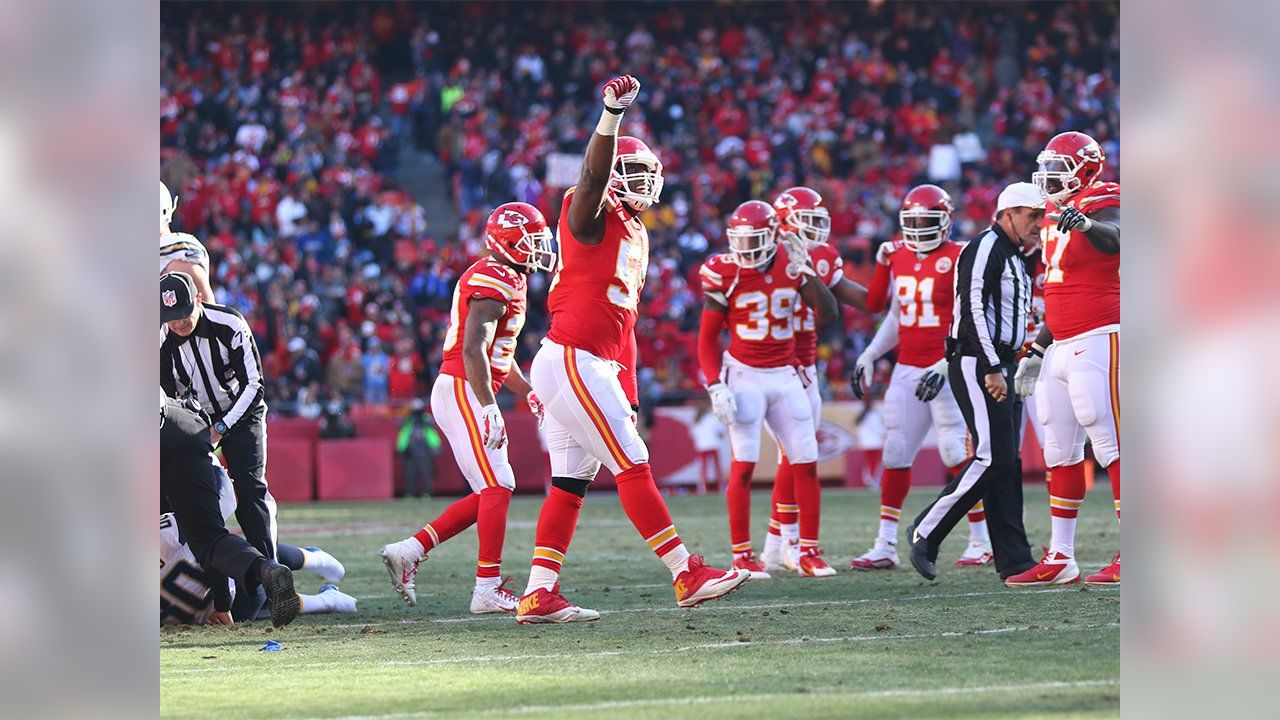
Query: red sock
(809, 497)
(646, 509)
(491, 527)
(1114, 471)
(784, 497)
(556, 523)
(738, 497)
(457, 517)
(894, 486)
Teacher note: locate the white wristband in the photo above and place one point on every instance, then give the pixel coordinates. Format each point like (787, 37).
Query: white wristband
(609, 122)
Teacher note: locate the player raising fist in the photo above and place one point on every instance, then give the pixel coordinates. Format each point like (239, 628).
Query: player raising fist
(488, 312)
(585, 372)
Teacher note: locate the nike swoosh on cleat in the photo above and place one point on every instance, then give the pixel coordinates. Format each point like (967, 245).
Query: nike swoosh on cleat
(1044, 575)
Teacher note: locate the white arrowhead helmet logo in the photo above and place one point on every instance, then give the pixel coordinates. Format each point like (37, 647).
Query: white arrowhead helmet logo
(788, 200)
(511, 219)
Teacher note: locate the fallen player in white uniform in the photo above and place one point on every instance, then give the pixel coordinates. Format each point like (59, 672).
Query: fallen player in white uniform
(187, 593)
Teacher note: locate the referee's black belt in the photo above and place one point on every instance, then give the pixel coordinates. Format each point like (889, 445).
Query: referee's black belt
(959, 348)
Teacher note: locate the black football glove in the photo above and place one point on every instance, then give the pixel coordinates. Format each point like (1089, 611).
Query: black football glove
(856, 381)
(1072, 219)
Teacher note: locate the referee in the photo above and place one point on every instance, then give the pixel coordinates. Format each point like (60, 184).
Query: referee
(993, 300)
(208, 350)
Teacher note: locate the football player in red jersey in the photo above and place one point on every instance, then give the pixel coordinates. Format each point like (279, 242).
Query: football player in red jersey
(801, 211)
(1073, 367)
(489, 303)
(755, 289)
(585, 371)
(920, 271)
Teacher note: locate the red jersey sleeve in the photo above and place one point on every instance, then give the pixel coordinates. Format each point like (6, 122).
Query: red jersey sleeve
(492, 281)
(827, 263)
(715, 275)
(878, 292)
(1098, 197)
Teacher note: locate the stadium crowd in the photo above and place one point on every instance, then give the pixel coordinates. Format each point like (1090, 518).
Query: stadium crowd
(282, 136)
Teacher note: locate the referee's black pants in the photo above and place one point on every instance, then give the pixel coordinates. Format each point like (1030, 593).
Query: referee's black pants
(245, 450)
(189, 483)
(993, 475)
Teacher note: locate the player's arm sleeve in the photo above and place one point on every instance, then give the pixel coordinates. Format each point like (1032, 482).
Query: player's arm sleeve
(709, 358)
(878, 293)
(886, 337)
(628, 359)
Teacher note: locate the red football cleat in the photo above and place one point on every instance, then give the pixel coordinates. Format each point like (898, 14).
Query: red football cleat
(747, 561)
(1108, 576)
(549, 606)
(978, 553)
(812, 564)
(1054, 569)
(700, 583)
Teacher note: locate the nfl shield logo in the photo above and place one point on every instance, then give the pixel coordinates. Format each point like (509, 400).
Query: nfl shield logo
(169, 298)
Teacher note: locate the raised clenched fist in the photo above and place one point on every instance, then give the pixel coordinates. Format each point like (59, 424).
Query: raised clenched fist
(620, 92)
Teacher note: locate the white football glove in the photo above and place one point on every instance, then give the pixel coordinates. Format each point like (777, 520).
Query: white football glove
(932, 382)
(798, 262)
(882, 252)
(493, 429)
(535, 406)
(723, 404)
(1024, 380)
(620, 92)
(863, 370)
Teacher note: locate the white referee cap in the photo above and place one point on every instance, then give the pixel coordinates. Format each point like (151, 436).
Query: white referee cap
(1020, 194)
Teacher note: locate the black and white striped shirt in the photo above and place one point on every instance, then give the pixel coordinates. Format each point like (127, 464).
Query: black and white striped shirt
(993, 298)
(218, 362)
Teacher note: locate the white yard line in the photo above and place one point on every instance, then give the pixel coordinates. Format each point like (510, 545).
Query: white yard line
(759, 697)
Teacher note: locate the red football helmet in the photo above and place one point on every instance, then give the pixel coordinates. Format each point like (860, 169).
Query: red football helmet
(925, 218)
(753, 233)
(517, 233)
(1071, 162)
(801, 211)
(636, 177)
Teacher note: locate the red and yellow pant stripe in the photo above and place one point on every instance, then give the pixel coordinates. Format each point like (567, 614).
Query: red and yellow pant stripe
(593, 411)
(473, 433)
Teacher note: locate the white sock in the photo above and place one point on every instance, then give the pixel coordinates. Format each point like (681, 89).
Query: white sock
(541, 577)
(312, 604)
(323, 564)
(889, 531)
(488, 583)
(772, 543)
(791, 533)
(332, 600)
(1064, 536)
(978, 532)
(677, 560)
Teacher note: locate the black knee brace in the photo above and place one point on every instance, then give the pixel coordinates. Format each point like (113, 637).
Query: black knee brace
(572, 485)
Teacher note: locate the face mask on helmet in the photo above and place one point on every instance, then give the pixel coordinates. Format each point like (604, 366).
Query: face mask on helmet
(924, 230)
(1056, 177)
(532, 251)
(812, 225)
(752, 247)
(637, 180)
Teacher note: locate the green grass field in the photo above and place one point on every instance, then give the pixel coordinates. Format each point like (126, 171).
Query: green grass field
(882, 645)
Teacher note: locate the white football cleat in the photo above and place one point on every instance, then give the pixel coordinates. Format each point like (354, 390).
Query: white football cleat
(323, 564)
(401, 560)
(978, 553)
(771, 558)
(791, 554)
(337, 601)
(881, 556)
(493, 600)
